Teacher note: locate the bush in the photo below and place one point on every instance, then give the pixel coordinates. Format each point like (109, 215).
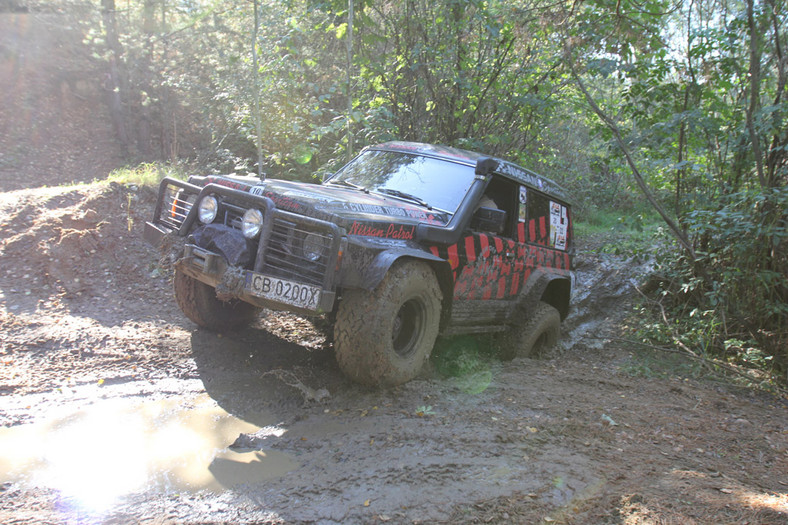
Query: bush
(733, 300)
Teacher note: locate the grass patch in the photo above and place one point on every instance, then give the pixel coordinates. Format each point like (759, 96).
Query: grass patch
(635, 224)
(629, 235)
(467, 359)
(145, 174)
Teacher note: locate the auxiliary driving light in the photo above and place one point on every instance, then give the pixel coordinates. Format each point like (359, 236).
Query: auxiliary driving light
(208, 209)
(252, 223)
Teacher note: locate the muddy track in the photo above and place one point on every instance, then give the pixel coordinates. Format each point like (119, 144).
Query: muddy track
(94, 350)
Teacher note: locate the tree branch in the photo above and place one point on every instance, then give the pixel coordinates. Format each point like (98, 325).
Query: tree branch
(610, 123)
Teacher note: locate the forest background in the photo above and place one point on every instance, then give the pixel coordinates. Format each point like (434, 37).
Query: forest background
(662, 117)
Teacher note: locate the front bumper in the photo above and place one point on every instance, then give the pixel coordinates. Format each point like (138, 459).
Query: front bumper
(278, 278)
(259, 289)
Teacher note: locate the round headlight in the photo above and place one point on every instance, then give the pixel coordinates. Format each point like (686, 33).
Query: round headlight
(313, 247)
(252, 223)
(208, 209)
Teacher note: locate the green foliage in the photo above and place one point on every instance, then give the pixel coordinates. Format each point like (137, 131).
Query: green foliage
(671, 358)
(703, 117)
(480, 75)
(603, 220)
(733, 300)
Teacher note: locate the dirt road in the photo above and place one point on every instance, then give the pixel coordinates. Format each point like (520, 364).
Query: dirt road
(116, 409)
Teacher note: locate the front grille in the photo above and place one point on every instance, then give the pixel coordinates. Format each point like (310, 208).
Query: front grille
(286, 252)
(230, 215)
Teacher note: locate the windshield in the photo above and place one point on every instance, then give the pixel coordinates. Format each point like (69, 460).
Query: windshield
(439, 183)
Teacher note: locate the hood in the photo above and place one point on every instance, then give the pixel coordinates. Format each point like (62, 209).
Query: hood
(363, 213)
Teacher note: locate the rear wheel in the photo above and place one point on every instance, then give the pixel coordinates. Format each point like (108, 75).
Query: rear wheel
(535, 337)
(199, 303)
(383, 337)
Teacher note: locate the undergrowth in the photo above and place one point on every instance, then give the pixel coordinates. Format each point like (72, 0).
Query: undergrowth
(727, 309)
(678, 348)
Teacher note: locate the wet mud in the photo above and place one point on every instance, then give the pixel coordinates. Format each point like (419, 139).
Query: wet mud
(116, 409)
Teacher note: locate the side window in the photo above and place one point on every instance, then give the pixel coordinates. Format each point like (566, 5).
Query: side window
(501, 194)
(538, 213)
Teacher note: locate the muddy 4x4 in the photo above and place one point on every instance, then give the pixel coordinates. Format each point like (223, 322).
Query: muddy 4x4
(405, 242)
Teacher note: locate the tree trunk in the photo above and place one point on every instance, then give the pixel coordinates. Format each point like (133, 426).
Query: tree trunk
(755, 91)
(115, 84)
(258, 125)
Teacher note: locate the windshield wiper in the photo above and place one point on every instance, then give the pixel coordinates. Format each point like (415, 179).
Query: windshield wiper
(341, 182)
(405, 196)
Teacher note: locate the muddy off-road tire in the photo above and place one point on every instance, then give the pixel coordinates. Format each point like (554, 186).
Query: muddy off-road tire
(535, 337)
(199, 303)
(383, 337)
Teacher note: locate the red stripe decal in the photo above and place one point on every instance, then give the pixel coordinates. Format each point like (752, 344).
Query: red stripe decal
(470, 249)
(484, 244)
(521, 231)
(501, 288)
(542, 230)
(434, 250)
(454, 260)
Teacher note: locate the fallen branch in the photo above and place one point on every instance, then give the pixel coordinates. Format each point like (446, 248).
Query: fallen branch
(706, 361)
(290, 379)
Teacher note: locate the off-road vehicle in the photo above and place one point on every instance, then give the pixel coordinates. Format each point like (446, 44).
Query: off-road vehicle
(405, 242)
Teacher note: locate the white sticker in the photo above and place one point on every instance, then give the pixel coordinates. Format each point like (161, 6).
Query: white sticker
(559, 225)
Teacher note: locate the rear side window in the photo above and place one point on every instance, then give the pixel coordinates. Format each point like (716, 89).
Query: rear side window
(543, 221)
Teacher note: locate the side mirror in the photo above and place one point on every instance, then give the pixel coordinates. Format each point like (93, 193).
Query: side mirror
(488, 220)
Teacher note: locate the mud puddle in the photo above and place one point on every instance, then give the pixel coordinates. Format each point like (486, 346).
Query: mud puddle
(116, 447)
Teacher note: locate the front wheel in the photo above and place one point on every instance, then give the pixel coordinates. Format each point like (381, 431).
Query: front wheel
(383, 337)
(535, 337)
(199, 303)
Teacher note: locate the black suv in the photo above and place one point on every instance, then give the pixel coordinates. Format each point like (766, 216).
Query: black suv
(405, 242)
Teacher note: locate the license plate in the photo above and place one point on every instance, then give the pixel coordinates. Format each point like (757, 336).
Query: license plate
(283, 291)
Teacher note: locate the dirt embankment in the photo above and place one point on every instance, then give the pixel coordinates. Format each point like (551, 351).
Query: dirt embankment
(597, 434)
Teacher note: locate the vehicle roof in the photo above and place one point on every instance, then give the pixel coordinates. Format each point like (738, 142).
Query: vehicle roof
(470, 158)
